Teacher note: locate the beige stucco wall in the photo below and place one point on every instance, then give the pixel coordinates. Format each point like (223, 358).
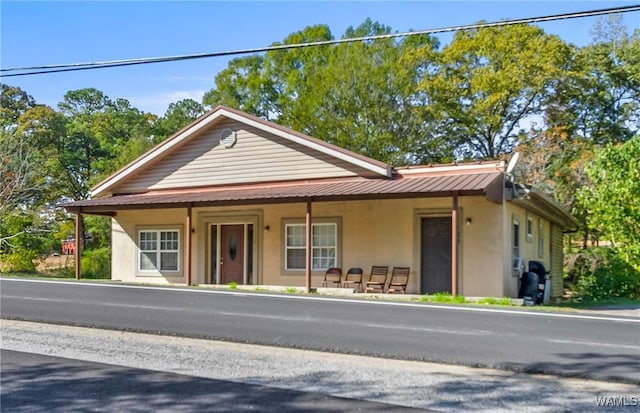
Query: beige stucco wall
(482, 248)
(373, 233)
(528, 246)
(376, 232)
(124, 254)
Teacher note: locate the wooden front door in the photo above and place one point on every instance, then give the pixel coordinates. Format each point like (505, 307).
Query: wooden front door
(232, 254)
(435, 255)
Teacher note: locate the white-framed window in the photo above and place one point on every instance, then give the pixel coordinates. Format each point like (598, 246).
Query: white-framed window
(324, 246)
(158, 250)
(529, 228)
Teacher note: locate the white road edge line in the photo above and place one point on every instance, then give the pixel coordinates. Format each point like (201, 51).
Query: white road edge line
(342, 300)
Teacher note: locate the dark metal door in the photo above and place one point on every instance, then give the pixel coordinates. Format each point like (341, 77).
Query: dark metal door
(232, 254)
(435, 262)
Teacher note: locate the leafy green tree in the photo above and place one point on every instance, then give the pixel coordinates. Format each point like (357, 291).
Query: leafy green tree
(101, 135)
(242, 85)
(290, 73)
(364, 98)
(118, 128)
(177, 116)
(79, 149)
(487, 83)
(612, 197)
(598, 99)
(13, 103)
(361, 96)
(595, 101)
(23, 190)
(610, 201)
(99, 132)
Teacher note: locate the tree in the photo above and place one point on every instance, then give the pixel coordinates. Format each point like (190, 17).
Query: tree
(13, 102)
(612, 197)
(118, 129)
(242, 85)
(23, 189)
(79, 149)
(489, 82)
(598, 100)
(177, 116)
(613, 211)
(361, 96)
(96, 141)
(595, 102)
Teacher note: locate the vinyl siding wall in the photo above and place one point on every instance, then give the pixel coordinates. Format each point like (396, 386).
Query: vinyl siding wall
(256, 157)
(557, 262)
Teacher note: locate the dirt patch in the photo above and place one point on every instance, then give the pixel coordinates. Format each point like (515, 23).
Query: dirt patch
(55, 262)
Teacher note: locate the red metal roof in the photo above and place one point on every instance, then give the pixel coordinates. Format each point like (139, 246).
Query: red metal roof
(322, 190)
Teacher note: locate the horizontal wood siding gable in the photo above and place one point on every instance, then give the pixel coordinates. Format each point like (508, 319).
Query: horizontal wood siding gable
(256, 157)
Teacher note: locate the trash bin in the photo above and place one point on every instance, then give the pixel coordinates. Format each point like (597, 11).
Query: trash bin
(529, 287)
(544, 281)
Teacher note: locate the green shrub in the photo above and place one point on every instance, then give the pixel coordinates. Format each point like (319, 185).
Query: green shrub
(601, 273)
(233, 285)
(96, 263)
(19, 260)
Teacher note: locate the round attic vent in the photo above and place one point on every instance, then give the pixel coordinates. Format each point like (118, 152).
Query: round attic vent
(228, 138)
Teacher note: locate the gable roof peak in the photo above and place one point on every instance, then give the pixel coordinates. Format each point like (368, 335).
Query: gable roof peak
(221, 111)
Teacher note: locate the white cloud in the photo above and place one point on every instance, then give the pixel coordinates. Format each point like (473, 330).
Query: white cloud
(158, 103)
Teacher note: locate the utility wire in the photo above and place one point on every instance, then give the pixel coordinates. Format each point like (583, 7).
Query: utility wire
(35, 70)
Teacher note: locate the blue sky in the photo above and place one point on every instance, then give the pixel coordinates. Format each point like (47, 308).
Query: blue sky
(52, 32)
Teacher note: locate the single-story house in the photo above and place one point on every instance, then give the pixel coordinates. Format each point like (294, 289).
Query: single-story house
(235, 198)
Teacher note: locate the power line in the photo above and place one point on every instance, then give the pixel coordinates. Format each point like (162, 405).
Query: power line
(35, 70)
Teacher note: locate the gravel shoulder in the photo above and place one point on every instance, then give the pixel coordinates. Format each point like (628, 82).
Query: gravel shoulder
(405, 383)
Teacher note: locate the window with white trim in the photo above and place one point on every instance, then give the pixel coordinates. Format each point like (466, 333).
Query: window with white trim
(324, 246)
(159, 250)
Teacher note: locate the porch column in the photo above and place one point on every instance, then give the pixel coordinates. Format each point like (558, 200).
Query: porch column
(454, 245)
(187, 264)
(308, 248)
(79, 244)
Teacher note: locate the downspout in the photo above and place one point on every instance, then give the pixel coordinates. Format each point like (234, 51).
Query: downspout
(79, 244)
(454, 245)
(308, 247)
(187, 265)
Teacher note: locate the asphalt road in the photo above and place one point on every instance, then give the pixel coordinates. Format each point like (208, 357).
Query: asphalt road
(594, 347)
(74, 385)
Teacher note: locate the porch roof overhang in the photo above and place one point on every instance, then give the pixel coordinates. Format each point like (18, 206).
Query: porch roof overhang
(487, 184)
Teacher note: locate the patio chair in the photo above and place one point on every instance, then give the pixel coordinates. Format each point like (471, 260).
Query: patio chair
(377, 279)
(332, 277)
(399, 280)
(353, 278)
